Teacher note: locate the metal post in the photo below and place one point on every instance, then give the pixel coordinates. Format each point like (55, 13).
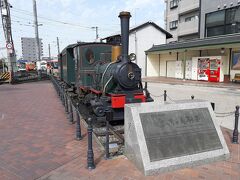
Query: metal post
(96, 33)
(90, 154)
(66, 102)
(38, 50)
(70, 116)
(49, 51)
(192, 97)
(58, 45)
(109, 117)
(213, 106)
(146, 85)
(7, 29)
(3, 66)
(165, 95)
(78, 126)
(58, 87)
(62, 92)
(96, 28)
(235, 131)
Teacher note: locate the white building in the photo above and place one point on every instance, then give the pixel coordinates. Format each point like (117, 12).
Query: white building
(29, 48)
(141, 38)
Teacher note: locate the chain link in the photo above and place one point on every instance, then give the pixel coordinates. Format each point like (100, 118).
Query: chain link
(170, 99)
(218, 114)
(157, 95)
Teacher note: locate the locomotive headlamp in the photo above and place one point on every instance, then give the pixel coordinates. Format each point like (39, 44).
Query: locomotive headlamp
(131, 75)
(132, 57)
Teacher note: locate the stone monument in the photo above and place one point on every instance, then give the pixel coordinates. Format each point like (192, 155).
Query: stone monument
(164, 137)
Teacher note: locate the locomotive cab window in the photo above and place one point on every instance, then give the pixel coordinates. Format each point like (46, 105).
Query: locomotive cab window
(89, 56)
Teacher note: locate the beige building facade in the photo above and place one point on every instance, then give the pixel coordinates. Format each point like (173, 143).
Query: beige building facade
(183, 60)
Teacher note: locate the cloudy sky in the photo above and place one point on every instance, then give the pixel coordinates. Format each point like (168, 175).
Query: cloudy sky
(71, 20)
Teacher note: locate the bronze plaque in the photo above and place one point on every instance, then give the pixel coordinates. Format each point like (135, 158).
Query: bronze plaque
(177, 133)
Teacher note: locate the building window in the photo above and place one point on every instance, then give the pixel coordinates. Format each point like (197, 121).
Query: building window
(191, 18)
(173, 4)
(173, 25)
(223, 22)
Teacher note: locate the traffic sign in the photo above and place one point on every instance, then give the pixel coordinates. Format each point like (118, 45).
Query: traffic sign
(9, 45)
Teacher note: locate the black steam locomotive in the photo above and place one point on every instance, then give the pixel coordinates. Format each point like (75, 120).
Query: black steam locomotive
(103, 78)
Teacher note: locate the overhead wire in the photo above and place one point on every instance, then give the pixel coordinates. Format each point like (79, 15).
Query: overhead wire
(22, 18)
(28, 13)
(49, 19)
(23, 24)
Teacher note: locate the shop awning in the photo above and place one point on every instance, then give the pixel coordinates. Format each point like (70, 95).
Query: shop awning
(213, 42)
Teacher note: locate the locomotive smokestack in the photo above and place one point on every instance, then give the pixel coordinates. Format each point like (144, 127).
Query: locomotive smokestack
(125, 16)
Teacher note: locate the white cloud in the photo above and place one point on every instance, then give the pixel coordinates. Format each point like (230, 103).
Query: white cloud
(134, 4)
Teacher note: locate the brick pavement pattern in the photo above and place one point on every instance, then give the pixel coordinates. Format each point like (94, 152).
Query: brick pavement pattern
(37, 142)
(35, 136)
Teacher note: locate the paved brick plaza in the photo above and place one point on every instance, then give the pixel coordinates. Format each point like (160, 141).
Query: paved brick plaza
(36, 141)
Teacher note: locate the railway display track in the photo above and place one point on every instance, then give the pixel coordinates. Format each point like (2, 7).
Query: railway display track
(115, 131)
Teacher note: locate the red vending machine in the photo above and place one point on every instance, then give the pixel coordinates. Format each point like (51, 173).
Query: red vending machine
(214, 70)
(209, 68)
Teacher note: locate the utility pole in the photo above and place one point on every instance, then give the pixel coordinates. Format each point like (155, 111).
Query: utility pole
(6, 23)
(49, 51)
(58, 46)
(96, 28)
(38, 50)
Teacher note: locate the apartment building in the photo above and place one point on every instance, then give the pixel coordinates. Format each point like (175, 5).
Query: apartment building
(219, 17)
(182, 19)
(29, 46)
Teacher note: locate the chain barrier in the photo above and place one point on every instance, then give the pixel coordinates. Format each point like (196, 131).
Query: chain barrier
(227, 115)
(218, 114)
(157, 95)
(225, 112)
(170, 99)
(162, 96)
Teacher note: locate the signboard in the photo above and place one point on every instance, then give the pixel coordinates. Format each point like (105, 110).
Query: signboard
(178, 133)
(236, 61)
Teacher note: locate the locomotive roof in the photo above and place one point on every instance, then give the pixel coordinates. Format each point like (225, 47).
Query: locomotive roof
(70, 46)
(90, 43)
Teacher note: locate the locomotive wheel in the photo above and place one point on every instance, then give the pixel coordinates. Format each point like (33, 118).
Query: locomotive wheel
(87, 99)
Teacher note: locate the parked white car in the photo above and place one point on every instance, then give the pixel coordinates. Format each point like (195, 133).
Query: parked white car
(43, 65)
